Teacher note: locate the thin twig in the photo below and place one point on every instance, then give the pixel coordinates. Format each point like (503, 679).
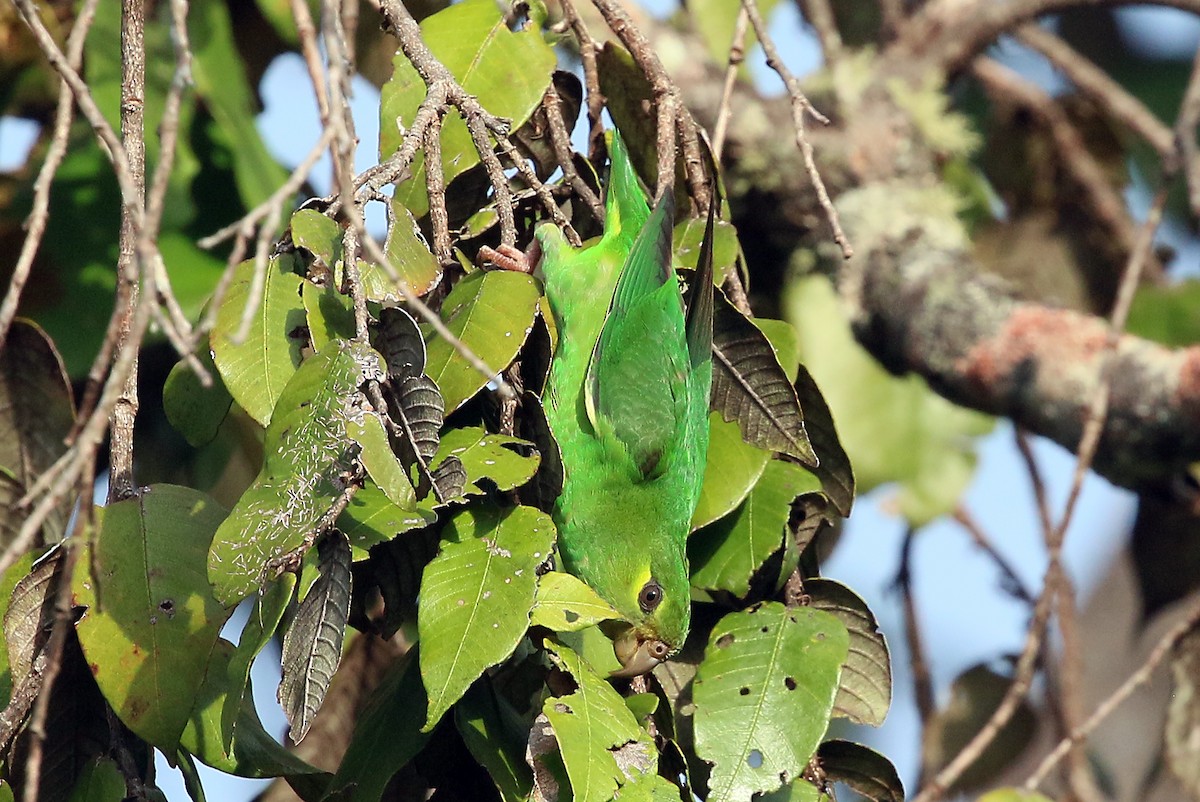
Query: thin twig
(1140, 677)
(307, 35)
(560, 140)
(1185, 136)
(737, 55)
(800, 107)
(922, 681)
(35, 224)
(1011, 581)
(591, 79)
(435, 187)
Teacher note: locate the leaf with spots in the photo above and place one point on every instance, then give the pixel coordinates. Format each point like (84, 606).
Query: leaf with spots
(488, 460)
(380, 461)
(312, 647)
(308, 458)
(601, 743)
(726, 554)
(257, 369)
(865, 692)
(152, 620)
(491, 313)
(372, 518)
(764, 694)
(566, 604)
(476, 596)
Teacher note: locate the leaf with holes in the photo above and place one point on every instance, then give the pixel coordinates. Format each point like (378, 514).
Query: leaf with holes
(372, 518)
(257, 369)
(491, 313)
(269, 607)
(725, 554)
(36, 414)
(312, 647)
(308, 458)
(152, 620)
(764, 694)
(507, 71)
(866, 771)
(733, 468)
(196, 411)
(476, 596)
(597, 734)
(750, 386)
(487, 459)
(865, 692)
(566, 604)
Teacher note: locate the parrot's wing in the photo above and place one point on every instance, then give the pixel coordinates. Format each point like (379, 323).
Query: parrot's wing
(635, 391)
(700, 298)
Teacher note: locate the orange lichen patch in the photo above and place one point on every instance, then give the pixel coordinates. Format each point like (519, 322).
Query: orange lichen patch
(1051, 338)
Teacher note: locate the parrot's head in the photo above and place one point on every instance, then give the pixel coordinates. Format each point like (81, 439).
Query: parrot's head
(656, 604)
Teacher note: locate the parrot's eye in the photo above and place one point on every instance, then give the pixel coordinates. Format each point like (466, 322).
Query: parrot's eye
(650, 596)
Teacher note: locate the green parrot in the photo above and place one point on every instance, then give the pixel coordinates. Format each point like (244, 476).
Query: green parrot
(627, 400)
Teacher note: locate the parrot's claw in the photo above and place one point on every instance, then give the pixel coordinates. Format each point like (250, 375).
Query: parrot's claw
(507, 257)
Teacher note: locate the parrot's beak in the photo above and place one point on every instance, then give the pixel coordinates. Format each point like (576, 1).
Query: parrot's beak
(636, 654)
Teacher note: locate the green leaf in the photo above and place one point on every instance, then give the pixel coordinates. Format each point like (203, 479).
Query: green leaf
(1013, 795)
(492, 314)
(196, 411)
(312, 647)
(476, 596)
(894, 429)
(269, 606)
(686, 243)
(864, 770)
(152, 619)
(321, 236)
(254, 753)
(371, 518)
(508, 72)
(100, 781)
(595, 730)
(726, 554)
(733, 468)
(379, 460)
(307, 454)
(408, 254)
(714, 21)
(865, 692)
(330, 314)
(496, 737)
(1169, 315)
(256, 371)
(566, 604)
(764, 694)
(36, 414)
(785, 342)
(387, 736)
(487, 457)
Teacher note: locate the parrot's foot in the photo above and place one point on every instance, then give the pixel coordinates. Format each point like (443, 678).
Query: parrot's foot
(507, 257)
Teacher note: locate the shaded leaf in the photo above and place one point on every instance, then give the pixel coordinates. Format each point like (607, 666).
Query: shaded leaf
(397, 566)
(196, 411)
(835, 471)
(865, 770)
(254, 752)
(387, 737)
(865, 692)
(399, 339)
(8, 583)
(494, 735)
(312, 647)
(100, 781)
(371, 518)
(491, 313)
(408, 253)
(974, 697)
(508, 72)
(476, 596)
(893, 429)
(307, 460)
(764, 694)
(592, 725)
(566, 604)
(733, 467)
(30, 613)
(1182, 731)
(420, 411)
(152, 619)
(321, 236)
(257, 370)
(36, 414)
(726, 554)
(330, 315)
(547, 482)
(749, 386)
(487, 459)
(449, 479)
(269, 606)
(688, 236)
